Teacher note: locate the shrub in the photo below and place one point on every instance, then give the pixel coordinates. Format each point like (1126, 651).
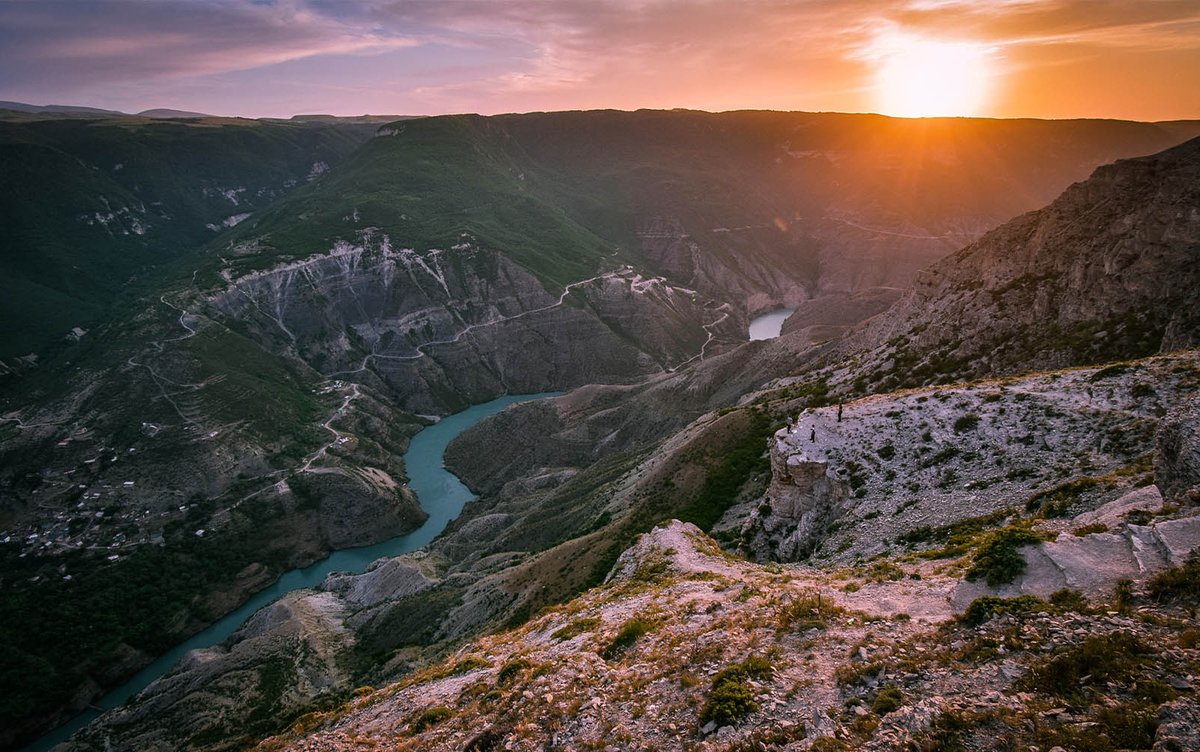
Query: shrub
(1139, 516)
(1123, 594)
(945, 454)
(968, 422)
(1096, 527)
(883, 571)
(731, 698)
(429, 718)
(470, 663)
(628, 634)
(1105, 658)
(998, 561)
(808, 610)
(1129, 726)
(1177, 584)
(887, 451)
(511, 670)
(1189, 639)
(576, 628)
(1054, 502)
(1068, 600)
(984, 608)
(889, 698)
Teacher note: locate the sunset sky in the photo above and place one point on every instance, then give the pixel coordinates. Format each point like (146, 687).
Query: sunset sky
(1134, 59)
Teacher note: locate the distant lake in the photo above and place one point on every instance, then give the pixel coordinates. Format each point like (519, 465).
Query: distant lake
(442, 496)
(768, 325)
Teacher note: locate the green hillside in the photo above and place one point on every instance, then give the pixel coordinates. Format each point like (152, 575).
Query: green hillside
(437, 181)
(94, 209)
(557, 191)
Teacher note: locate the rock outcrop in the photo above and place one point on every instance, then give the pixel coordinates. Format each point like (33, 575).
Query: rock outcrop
(1093, 564)
(923, 459)
(806, 495)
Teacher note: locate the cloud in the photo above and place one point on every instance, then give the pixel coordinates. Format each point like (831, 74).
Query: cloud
(496, 55)
(79, 43)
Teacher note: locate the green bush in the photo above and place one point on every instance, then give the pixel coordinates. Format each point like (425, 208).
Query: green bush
(575, 628)
(984, 608)
(429, 718)
(1177, 584)
(968, 422)
(1130, 726)
(1105, 658)
(731, 698)
(889, 698)
(511, 670)
(1054, 502)
(810, 609)
(628, 634)
(1068, 600)
(998, 561)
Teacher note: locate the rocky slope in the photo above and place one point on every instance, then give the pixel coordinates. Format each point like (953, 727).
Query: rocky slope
(1091, 495)
(1055, 442)
(746, 657)
(1108, 270)
(442, 329)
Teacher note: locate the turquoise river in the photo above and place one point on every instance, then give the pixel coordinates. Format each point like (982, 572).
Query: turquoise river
(441, 495)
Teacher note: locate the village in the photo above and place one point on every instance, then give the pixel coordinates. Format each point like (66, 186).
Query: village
(87, 503)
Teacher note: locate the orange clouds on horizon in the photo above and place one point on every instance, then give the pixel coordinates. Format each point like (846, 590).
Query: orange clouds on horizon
(1015, 58)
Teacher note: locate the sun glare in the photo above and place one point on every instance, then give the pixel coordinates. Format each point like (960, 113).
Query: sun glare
(919, 77)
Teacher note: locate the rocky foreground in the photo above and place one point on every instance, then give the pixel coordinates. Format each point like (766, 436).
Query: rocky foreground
(686, 647)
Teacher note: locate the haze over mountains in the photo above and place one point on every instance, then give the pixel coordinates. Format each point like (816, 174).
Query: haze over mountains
(236, 326)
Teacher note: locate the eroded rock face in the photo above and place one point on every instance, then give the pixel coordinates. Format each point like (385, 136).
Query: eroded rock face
(806, 495)
(447, 328)
(1177, 463)
(1109, 270)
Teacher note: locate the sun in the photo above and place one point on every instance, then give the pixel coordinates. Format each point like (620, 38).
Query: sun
(921, 77)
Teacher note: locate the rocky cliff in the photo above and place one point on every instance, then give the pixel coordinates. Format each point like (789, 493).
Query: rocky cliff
(1056, 444)
(1107, 271)
(446, 328)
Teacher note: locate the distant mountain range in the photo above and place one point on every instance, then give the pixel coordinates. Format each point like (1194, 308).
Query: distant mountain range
(166, 113)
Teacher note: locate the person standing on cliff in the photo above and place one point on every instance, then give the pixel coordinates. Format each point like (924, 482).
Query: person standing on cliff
(812, 436)
(839, 412)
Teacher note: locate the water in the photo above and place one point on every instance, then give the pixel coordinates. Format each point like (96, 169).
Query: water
(442, 496)
(768, 325)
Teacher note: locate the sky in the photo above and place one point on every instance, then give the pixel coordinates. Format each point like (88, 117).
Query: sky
(1130, 59)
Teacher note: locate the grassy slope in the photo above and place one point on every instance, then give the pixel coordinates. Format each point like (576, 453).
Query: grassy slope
(556, 191)
(427, 187)
(162, 183)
